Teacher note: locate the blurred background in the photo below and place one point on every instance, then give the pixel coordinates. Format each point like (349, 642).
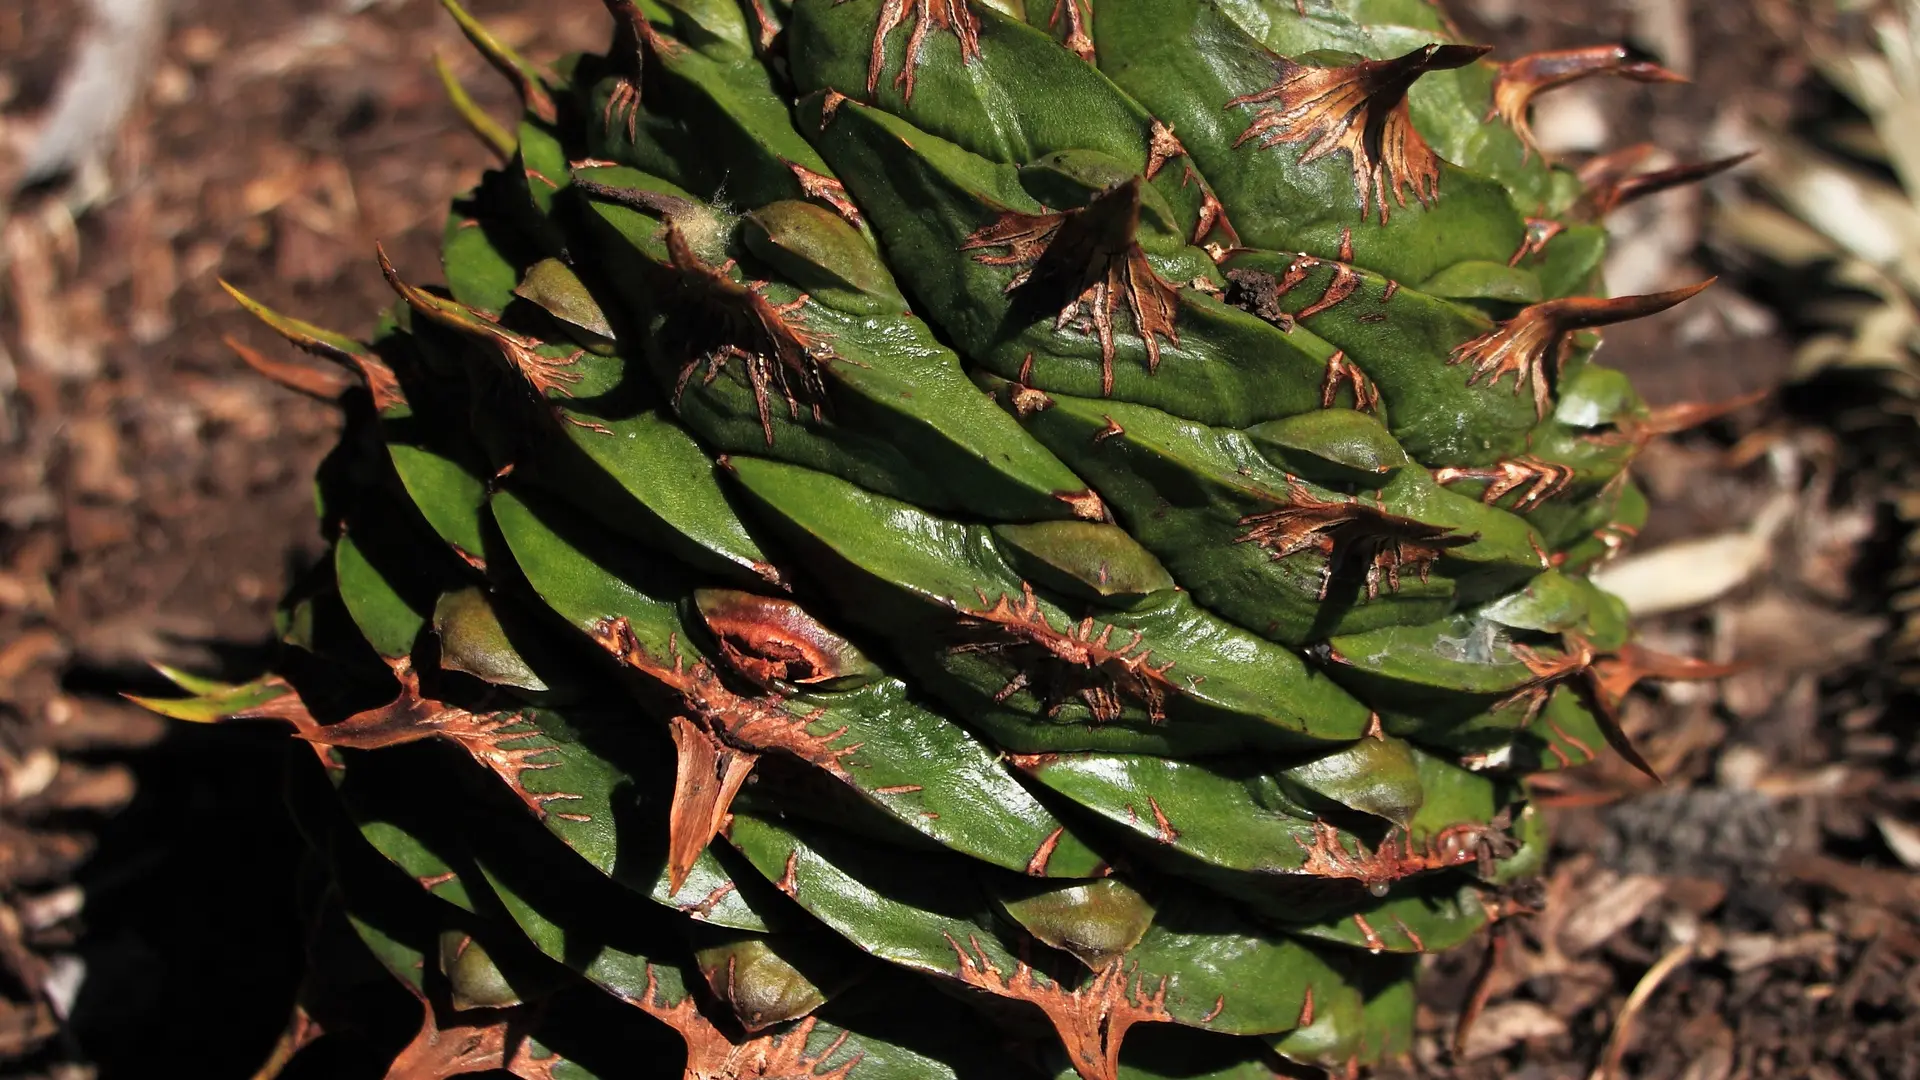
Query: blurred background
(1756, 916)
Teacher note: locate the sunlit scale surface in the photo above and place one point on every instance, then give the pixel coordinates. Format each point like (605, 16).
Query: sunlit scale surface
(927, 539)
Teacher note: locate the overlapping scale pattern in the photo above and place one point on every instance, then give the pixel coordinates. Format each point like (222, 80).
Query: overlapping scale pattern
(923, 538)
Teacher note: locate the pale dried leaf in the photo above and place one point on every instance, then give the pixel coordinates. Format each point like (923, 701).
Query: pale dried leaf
(1666, 27)
(109, 69)
(29, 776)
(1745, 952)
(1824, 782)
(1771, 231)
(94, 460)
(1902, 838)
(1694, 572)
(50, 909)
(1870, 218)
(1715, 1061)
(1510, 1022)
(62, 983)
(1779, 634)
(1571, 121)
(1606, 911)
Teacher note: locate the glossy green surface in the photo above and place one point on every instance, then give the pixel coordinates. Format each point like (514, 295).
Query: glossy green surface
(918, 530)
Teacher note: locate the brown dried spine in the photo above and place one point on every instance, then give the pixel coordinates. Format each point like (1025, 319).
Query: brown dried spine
(634, 39)
(529, 85)
(1603, 681)
(1519, 80)
(325, 384)
(1162, 146)
(1637, 430)
(1532, 345)
(381, 384)
(1341, 371)
(1540, 232)
(1212, 217)
(1610, 181)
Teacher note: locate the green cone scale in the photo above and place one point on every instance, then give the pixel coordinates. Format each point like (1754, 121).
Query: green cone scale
(941, 539)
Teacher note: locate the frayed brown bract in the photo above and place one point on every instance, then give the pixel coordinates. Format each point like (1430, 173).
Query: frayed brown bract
(1076, 14)
(953, 16)
(1077, 662)
(719, 741)
(480, 1041)
(1347, 529)
(1603, 681)
(711, 1055)
(1537, 480)
(1360, 109)
(1085, 263)
(544, 374)
(1092, 1021)
(776, 351)
(1397, 856)
(412, 717)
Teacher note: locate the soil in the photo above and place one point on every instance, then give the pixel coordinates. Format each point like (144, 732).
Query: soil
(1754, 909)
(154, 494)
